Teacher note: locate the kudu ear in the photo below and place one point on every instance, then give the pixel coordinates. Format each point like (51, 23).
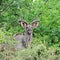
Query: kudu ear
(35, 23)
(23, 23)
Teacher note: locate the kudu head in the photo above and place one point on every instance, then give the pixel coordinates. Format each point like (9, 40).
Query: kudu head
(29, 27)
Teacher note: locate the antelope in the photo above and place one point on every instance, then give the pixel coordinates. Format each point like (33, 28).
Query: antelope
(25, 39)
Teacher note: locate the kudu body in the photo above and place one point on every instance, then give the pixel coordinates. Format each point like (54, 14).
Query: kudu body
(26, 38)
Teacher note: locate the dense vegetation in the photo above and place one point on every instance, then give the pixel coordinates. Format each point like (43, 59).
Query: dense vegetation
(46, 41)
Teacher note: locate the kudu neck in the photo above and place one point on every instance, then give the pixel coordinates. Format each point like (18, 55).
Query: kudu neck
(28, 36)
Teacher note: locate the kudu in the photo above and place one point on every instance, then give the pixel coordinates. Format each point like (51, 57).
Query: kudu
(26, 38)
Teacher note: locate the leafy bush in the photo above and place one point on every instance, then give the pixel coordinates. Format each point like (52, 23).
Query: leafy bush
(36, 53)
(46, 11)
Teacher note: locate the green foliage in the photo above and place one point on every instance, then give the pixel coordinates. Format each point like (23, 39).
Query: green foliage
(47, 33)
(5, 38)
(37, 52)
(12, 11)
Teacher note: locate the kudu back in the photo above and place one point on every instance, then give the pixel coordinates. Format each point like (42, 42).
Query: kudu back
(26, 38)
